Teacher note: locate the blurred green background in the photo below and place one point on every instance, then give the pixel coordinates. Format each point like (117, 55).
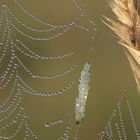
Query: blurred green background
(110, 68)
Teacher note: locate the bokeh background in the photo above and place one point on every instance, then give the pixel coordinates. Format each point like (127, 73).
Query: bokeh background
(110, 68)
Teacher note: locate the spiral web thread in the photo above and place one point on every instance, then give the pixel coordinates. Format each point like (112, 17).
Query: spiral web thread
(12, 111)
(118, 127)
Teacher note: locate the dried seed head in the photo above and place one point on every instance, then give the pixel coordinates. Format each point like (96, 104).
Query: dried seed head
(127, 27)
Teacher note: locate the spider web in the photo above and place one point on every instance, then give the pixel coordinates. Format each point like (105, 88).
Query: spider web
(13, 118)
(122, 123)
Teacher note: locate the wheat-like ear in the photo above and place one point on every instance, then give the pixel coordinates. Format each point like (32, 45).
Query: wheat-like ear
(135, 67)
(127, 28)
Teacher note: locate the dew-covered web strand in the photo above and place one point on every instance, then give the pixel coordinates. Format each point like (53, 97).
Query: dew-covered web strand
(118, 128)
(36, 56)
(19, 3)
